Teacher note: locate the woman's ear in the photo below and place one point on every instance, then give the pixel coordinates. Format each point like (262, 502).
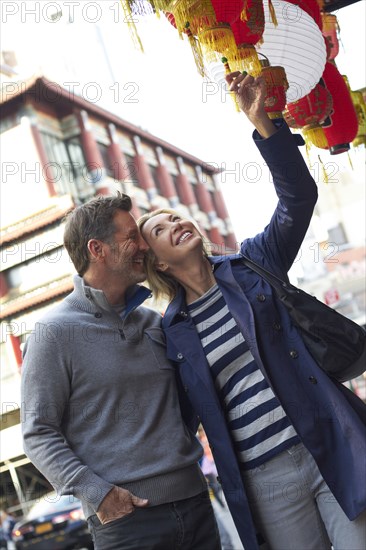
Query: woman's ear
(161, 266)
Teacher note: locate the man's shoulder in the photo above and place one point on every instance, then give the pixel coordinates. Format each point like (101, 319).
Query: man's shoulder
(148, 314)
(55, 313)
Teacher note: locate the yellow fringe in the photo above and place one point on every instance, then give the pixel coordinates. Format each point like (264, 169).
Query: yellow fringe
(360, 107)
(359, 140)
(329, 22)
(217, 41)
(199, 14)
(246, 59)
(273, 13)
(315, 135)
(197, 52)
(128, 18)
(275, 114)
(232, 94)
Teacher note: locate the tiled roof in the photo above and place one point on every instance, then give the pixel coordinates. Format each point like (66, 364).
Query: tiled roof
(34, 222)
(55, 92)
(37, 296)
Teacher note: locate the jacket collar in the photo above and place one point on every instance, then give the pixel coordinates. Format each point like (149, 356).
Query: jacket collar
(177, 309)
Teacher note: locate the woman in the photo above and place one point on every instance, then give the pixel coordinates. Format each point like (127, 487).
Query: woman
(288, 442)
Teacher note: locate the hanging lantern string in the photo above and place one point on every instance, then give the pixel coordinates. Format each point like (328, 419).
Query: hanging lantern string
(196, 50)
(325, 175)
(128, 18)
(350, 160)
(272, 11)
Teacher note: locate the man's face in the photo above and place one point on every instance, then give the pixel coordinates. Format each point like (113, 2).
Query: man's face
(124, 255)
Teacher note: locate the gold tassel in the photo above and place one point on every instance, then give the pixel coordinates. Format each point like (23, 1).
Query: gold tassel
(196, 51)
(329, 22)
(359, 140)
(232, 94)
(217, 41)
(314, 135)
(273, 13)
(325, 175)
(199, 14)
(360, 107)
(128, 18)
(247, 59)
(161, 5)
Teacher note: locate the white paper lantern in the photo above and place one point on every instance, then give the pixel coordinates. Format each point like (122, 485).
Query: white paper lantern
(296, 44)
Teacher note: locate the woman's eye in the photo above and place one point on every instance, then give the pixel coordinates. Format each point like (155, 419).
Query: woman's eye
(157, 231)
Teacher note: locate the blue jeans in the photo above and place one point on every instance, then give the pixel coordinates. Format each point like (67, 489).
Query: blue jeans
(293, 507)
(187, 524)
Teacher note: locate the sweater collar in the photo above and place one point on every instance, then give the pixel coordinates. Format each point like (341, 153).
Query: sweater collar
(135, 295)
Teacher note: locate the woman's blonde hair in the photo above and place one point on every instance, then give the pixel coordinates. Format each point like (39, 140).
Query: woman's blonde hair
(162, 284)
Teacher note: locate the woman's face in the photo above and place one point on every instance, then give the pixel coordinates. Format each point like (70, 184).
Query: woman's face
(170, 237)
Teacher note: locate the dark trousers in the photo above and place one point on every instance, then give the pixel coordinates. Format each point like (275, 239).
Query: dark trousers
(187, 524)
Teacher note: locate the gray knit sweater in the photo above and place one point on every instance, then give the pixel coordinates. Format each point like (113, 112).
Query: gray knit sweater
(100, 405)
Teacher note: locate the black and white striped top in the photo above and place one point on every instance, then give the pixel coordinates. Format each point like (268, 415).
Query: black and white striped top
(258, 424)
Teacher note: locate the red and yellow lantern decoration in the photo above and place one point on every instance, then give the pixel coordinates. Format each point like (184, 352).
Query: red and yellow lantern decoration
(311, 7)
(341, 126)
(276, 85)
(330, 32)
(309, 112)
(217, 39)
(193, 42)
(360, 107)
(248, 31)
(207, 23)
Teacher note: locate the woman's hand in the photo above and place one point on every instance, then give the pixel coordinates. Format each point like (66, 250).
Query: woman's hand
(251, 93)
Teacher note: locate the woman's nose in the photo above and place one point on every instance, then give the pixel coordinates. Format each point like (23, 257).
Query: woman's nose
(177, 225)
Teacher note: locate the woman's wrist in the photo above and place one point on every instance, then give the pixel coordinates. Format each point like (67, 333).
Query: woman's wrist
(264, 125)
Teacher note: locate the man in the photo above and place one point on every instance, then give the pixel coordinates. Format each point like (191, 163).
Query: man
(100, 413)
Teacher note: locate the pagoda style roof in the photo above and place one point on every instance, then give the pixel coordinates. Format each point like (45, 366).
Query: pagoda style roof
(40, 89)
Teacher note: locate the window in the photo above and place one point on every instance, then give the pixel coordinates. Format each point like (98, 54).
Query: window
(39, 271)
(132, 170)
(155, 176)
(106, 160)
(337, 235)
(70, 172)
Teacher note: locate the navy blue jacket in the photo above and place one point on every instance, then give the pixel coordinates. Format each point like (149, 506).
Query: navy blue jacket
(329, 418)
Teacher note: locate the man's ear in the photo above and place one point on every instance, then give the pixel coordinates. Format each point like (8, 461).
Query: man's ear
(95, 248)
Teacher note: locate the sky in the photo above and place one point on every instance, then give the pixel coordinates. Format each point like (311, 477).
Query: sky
(160, 89)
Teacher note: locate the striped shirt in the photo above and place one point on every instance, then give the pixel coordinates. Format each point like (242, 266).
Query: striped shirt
(258, 424)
